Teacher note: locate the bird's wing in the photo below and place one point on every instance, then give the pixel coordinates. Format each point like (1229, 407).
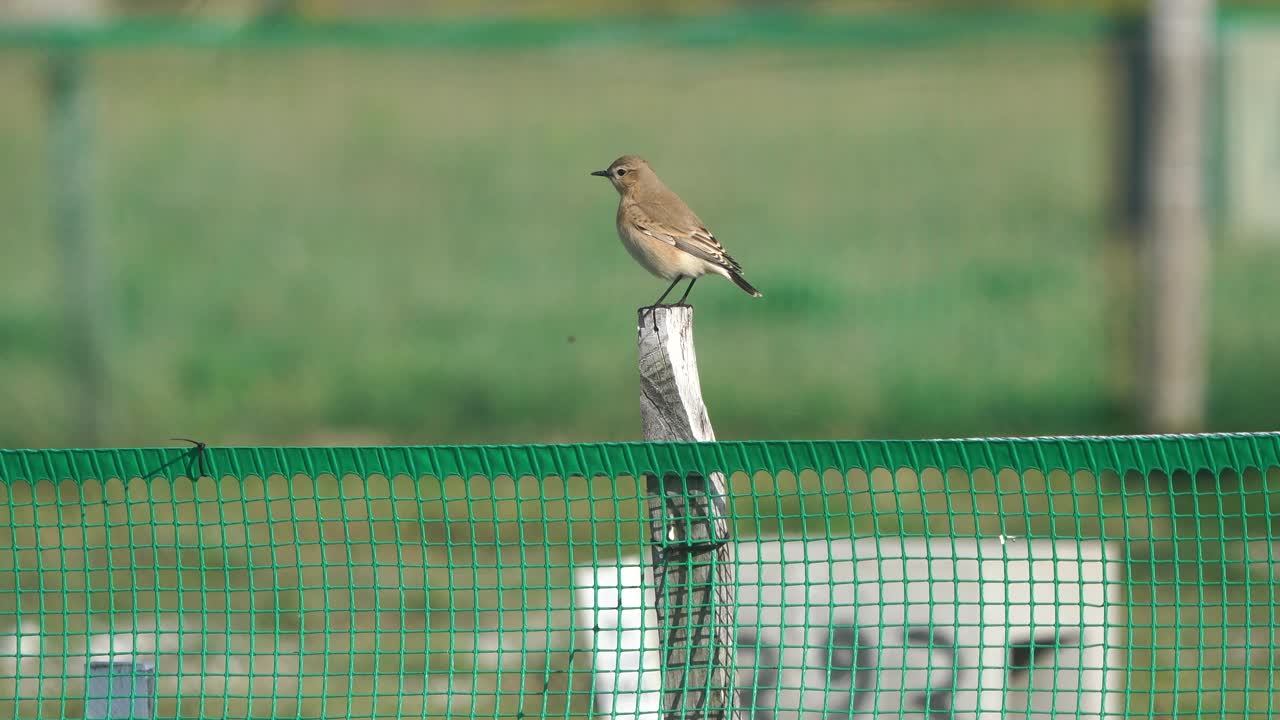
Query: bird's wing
(676, 225)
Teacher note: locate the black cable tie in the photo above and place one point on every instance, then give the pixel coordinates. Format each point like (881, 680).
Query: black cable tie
(196, 453)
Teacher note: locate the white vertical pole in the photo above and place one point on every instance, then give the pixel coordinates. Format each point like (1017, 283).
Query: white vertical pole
(83, 289)
(1175, 253)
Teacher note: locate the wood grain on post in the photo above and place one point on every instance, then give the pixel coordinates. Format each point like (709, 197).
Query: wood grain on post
(689, 525)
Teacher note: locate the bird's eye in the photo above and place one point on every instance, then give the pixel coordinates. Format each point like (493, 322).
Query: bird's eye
(622, 171)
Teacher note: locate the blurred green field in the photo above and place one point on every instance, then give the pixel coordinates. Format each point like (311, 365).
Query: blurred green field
(405, 246)
(409, 598)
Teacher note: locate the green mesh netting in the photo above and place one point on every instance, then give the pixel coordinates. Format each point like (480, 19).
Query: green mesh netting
(1048, 577)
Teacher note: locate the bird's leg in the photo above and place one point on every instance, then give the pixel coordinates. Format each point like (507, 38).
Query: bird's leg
(658, 303)
(686, 291)
(670, 287)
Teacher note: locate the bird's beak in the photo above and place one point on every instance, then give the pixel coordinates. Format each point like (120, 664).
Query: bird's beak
(601, 173)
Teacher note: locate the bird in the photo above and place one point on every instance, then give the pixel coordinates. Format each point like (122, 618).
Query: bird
(663, 234)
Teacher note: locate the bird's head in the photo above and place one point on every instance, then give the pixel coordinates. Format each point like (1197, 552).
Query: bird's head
(626, 172)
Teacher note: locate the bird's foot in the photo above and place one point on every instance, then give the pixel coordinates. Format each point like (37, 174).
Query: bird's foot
(650, 309)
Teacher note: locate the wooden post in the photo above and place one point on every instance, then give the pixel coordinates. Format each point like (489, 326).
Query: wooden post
(689, 526)
(1175, 252)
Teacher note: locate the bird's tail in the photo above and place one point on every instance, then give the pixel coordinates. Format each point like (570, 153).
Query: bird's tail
(741, 282)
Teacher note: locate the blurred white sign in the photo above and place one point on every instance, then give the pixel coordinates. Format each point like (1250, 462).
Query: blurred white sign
(885, 627)
(1251, 128)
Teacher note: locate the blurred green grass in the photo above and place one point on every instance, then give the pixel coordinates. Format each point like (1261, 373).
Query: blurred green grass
(452, 598)
(406, 246)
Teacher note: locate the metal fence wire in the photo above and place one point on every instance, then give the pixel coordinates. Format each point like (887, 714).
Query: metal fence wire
(1050, 578)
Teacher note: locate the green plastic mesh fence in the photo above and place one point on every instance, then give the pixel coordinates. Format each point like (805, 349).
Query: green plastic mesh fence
(1050, 578)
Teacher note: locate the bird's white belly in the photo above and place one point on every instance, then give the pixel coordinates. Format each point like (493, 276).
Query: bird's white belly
(665, 260)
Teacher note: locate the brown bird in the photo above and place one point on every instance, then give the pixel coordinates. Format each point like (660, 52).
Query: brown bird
(662, 233)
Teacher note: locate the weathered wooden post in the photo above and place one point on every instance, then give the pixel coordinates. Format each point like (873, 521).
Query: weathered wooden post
(688, 519)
